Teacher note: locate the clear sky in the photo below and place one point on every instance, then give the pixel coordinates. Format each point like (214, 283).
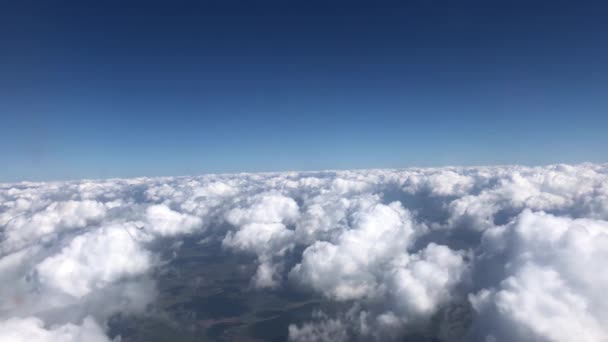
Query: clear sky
(93, 89)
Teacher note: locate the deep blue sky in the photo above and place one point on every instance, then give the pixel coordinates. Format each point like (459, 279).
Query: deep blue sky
(105, 89)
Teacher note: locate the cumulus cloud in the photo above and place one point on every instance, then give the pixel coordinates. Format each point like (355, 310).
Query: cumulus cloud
(22, 228)
(262, 230)
(264, 208)
(352, 267)
(425, 279)
(553, 281)
(93, 260)
(480, 254)
(164, 221)
(33, 329)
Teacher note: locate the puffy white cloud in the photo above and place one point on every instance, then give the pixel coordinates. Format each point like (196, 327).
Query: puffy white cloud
(94, 260)
(215, 189)
(261, 230)
(260, 238)
(33, 329)
(352, 267)
(21, 228)
(425, 280)
(518, 248)
(164, 221)
(264, 208)
(554, 280)
(441, 182)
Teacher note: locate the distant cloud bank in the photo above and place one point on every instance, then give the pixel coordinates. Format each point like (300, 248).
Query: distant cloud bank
(486, 253)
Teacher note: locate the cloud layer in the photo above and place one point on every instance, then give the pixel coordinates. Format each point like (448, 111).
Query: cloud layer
(486, 253)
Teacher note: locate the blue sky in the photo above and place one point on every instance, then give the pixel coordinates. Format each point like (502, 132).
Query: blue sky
(119, 89)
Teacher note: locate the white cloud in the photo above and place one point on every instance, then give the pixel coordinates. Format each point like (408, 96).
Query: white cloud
(425, 280)
(525, 245)
(23, 227)
(33, 329)
(261, 230)
(352, 267)
(264, 208)
(442, 182)
(260, 238)
(165, 222)
(94, 260)
(554, 280)
(325, 329)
